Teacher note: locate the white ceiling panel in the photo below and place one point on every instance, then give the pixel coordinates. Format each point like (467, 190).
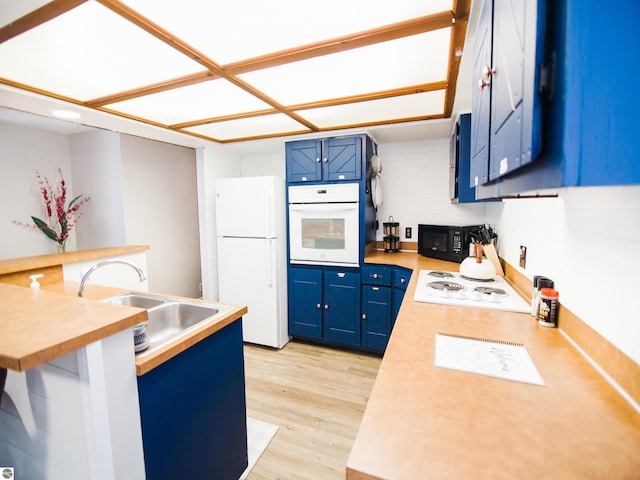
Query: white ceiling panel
(12, 9)
(167, 64)
(236, 30)
(399, 63)
(419, 105)
(249, 127)
(214, 98)
(89, 52)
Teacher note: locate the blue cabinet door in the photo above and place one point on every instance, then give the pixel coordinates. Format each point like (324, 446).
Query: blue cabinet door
(509, 51)
(305, 303)
(515, 100)
(376, 317)
(343, 158)
(304, 161)
(331, 159)
(401, 277)
(342, 307)
(481, 97)
(193, 411)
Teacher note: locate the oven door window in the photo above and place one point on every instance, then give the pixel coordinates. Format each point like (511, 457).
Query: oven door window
(324, 234)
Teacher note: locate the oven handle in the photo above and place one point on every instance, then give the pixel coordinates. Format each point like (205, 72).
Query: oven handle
(323, 210)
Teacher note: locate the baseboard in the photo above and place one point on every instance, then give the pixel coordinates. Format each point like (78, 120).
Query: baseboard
(622, 369)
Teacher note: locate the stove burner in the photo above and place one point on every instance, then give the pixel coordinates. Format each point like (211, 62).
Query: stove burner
(439, 274)
(490, 290)
(486, 280)
(450, 286)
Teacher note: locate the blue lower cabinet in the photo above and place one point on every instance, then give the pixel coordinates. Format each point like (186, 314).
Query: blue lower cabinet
(401, 277)
(376, 317)
(342, 307)
(324, 304)
(305, 303)
(193, 411)
(350, 307)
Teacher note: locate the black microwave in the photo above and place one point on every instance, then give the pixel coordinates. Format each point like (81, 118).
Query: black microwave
(445, 242)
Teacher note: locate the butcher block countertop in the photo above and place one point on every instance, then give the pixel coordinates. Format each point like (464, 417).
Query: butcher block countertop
(38, 325)
(425, 422)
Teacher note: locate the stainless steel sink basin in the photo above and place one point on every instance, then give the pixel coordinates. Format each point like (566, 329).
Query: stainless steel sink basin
(168, 318)
(139, 300)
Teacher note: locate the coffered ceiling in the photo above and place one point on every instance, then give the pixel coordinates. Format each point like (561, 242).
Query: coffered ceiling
(243, 69)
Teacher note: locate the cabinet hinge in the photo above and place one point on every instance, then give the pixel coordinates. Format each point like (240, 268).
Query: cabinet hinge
(546, 75)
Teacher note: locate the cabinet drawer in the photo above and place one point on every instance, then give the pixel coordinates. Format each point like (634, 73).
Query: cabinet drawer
(401, 278)
(376, 275)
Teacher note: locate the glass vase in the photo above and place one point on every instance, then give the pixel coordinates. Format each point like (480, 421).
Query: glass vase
(61, 247)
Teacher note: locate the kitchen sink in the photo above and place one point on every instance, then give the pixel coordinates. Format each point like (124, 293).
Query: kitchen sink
(168, 318)
(139, 300)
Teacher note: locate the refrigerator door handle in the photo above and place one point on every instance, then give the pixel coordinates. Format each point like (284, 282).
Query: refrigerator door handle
(269, 244)
(269, 215)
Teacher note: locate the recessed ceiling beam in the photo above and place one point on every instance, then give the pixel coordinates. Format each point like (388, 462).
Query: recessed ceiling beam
(365, 38)
(396, 92)
(461, 15)
(186, 49)
(347, 42)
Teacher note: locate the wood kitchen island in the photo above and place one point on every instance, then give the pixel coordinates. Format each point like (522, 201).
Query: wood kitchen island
(425, 422)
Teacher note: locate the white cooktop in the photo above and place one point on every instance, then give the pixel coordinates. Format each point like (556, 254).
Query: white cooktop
(451, 288)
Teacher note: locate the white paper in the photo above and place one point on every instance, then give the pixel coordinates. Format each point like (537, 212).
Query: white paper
(509, 361)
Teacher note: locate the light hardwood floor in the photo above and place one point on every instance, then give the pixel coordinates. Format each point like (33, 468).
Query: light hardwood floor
(317, 396)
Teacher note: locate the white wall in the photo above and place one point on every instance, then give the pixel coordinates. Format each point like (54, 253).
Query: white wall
(415, 179)
(161, 210)
(583, 235)
(143, 192)
(22, 152)
(588, 241)
(96, 166)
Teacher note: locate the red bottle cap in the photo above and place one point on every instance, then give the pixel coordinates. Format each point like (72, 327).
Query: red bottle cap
(549, 292)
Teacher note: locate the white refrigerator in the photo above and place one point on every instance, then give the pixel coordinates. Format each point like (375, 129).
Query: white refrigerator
(252, 254)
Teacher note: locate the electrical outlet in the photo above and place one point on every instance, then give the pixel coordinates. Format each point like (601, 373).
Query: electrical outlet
(523, 256)
(407, 232)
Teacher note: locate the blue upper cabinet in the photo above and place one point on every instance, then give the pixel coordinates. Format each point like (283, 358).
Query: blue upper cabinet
(508, 50)
(331, 159)
(575, 123)
(481, 98)
(304, 161)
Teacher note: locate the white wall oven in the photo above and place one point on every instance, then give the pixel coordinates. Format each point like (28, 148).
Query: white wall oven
(324, 224)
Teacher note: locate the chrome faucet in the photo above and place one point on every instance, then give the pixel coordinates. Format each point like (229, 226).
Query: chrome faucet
(85, 277)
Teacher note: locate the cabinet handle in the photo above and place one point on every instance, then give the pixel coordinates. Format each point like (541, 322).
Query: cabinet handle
(487, 72)
(318, 306)
(375, 275)
(326, 307)
(364, 316)
(402, 280)
(485, 80)
(317, 159)
(325, 160)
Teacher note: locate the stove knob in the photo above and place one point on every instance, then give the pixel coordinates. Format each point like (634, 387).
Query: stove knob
(495, 298)
(476, 296)
(445, 293)
(461, 295)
